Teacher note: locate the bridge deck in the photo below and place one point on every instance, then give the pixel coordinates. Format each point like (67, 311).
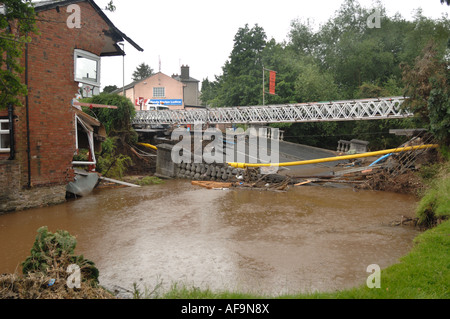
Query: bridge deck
(366, 109)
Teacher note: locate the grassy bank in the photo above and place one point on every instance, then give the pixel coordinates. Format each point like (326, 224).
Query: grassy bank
(435, 202)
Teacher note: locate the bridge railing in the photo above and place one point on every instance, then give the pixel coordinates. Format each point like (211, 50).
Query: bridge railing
(349, 110)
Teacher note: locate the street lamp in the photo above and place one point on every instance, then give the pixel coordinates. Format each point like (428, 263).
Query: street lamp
(123, 68)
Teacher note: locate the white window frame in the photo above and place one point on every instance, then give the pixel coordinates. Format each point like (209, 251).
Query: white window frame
(87, 55)
(157, 91)
(4, 133)
(90, 136)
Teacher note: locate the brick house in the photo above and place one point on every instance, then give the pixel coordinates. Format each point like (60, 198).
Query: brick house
(66, 55)
(176, 92)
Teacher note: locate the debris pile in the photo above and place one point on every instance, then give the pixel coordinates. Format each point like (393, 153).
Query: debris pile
(47, 272)
(392, 172)
(250, 178)
(41, 286)
(397, 172)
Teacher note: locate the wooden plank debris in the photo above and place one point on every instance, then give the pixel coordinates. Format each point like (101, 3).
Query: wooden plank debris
(212, 185)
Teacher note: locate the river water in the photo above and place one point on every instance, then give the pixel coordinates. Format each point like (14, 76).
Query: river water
(307, 239)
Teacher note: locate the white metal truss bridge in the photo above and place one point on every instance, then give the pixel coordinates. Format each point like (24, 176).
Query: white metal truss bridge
(351, 110)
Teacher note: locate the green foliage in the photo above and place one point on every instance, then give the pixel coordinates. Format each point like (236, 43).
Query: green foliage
(113, 166)
(444, 150)
(109, 88)
(150, 180)
(111, 163)
(15, 25)
(207, 92)
(117, 122)
(435, 203)
(241, 83)
(82, 155)
(341, 59)
(52, 253)
(313, 85)
(108, 146)
(428, 89)
(142, 71)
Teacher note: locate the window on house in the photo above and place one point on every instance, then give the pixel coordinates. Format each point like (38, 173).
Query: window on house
(87, 67)
(4, 136)
(159, 92)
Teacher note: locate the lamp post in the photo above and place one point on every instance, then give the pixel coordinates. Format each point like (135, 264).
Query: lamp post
(123, 68)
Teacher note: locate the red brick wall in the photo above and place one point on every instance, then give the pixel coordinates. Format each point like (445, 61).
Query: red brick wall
(51, 87)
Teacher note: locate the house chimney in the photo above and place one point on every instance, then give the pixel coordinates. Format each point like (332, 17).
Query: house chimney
(184, 72)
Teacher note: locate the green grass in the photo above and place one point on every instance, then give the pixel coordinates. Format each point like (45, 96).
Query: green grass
(435, 203)
(149, 180)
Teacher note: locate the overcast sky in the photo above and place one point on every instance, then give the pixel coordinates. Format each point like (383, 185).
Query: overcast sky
(200, 33)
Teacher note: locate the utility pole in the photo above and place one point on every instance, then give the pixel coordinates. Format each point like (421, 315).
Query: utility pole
(263, 83)
(123, 68)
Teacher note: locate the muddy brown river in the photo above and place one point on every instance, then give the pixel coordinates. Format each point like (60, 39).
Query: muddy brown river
(307, 239)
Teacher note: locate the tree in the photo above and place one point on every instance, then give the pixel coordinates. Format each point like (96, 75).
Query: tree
(241, 82)
(343, 59)
(110, 88)
(207, 92)
(143, 71)
(428, 89)
(16, 23)
(116, 121)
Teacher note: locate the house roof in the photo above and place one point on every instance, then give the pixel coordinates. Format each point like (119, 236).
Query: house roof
(114, 33)
(180, 79)
(133, 84)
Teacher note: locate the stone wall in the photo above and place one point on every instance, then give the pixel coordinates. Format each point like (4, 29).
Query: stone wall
(207, 172)
(34, 197)
(13, 197)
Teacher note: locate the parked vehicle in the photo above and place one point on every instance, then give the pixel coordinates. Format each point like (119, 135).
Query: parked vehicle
(155, 107)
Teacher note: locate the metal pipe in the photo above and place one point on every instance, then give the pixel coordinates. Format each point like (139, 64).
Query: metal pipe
(123, 68)
(148, 145)
(27, 117)
(12, 150)
(83, 163)
(10, 107)
(336, 158)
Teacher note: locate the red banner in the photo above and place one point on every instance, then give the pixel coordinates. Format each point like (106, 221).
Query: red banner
(272, 82)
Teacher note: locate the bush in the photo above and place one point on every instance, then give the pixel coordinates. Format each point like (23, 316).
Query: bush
(117, 122)
(111, 164)
(52, 253)
(435, 204)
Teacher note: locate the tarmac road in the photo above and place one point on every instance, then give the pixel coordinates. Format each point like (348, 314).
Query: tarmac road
(288, 152)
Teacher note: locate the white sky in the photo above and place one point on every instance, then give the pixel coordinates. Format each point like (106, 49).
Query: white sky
(200, 33)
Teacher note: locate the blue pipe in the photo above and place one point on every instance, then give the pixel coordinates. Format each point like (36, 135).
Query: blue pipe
(381, 159)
